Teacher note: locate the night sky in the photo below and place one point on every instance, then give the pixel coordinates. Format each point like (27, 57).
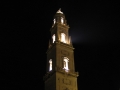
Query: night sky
(25, 33)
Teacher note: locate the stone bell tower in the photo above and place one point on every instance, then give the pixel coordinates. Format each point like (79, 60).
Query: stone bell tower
(60, 71)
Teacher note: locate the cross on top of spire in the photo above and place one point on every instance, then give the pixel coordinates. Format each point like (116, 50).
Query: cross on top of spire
(59, 11)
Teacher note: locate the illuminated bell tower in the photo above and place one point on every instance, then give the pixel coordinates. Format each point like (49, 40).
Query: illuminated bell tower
(60, 73)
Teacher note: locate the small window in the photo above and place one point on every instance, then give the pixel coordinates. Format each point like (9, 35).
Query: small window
(63, 38)
(53, 37)
(65, 59)
(50, 64)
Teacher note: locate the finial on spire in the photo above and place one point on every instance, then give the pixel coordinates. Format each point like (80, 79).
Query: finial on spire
(59, 11)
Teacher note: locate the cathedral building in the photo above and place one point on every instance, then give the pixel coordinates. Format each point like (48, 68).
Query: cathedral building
(60, 71)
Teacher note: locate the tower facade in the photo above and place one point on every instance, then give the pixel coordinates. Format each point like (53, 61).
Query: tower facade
(60, 71)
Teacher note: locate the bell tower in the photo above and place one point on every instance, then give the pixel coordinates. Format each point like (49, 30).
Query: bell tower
(60, 71)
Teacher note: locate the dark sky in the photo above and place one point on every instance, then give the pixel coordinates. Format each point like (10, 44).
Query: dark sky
(94, 29)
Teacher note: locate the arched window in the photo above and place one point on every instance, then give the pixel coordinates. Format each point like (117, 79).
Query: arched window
(65, 59)
(53, 37)
(62, 21)
(50, 64)
(63, 38)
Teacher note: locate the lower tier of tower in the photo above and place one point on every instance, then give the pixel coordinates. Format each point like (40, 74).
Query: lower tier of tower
(61, 81)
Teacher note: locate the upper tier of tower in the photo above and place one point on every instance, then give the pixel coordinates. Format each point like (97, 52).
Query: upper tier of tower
(59, 18)
(59, 30)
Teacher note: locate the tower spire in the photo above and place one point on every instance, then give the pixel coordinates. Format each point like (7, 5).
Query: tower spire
(59, 11)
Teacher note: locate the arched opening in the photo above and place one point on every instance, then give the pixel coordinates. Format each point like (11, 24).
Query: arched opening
(50, 64)
(62, 20)
(63, 38)
(53, 37)
(54, 21)
(66, 60)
